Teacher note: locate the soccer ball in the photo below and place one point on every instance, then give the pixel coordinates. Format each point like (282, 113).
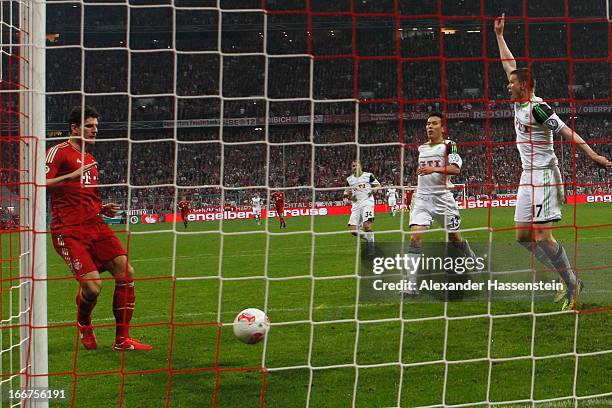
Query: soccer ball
(251, 325)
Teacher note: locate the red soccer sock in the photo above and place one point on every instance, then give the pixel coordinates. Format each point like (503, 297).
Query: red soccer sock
(84, 308)
(123, 307)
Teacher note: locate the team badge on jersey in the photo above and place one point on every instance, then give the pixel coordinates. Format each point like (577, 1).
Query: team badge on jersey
(77, 265)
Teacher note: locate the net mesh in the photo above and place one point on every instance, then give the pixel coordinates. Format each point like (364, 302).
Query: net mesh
(219, 100)
(9, 204)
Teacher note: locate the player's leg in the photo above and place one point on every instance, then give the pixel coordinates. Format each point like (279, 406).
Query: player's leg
(524, 213)
(558, 258)
(450, 217)
(281, 218)
(355, 222)
(111, 256)
(124, 300)
(367, 216)
(184, 218)
(90, 286)
(421, 219)
(74, 250)
(539, 201)
(553, 200)
(414, 251)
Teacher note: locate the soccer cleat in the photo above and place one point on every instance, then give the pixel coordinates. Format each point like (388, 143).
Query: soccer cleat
(88, 337)
(561, 292)
(570, 302)
(127, 343)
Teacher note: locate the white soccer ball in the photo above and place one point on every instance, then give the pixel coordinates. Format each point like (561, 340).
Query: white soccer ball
(251, 325)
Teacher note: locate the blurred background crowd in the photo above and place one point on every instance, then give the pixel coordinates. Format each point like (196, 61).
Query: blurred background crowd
(303, 94)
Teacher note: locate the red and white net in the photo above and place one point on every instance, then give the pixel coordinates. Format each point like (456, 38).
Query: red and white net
(220, 99)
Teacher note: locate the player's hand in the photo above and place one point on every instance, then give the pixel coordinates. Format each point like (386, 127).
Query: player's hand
(110, 209)
(424, 170)
(78, 172)
(499, 25)
(601, 161)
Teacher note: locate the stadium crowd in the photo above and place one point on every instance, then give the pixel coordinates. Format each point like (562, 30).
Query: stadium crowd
(143, 82)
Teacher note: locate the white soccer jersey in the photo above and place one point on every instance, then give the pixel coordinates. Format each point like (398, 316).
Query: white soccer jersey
(535, 122)
(256, 203)
(391, 194)
(362, 188)
(437, 155)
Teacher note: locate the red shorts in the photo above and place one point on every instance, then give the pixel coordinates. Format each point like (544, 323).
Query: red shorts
(280, 210)
(87, 249)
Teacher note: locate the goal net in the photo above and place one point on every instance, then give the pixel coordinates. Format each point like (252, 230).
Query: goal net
(215, 102)
(23, 308)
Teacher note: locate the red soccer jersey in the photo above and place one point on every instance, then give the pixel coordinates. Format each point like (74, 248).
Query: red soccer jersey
(279, 199)
(184, 206)
(74, 202)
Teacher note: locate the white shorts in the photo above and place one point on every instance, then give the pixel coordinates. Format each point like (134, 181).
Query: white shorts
(392, 203)
(540, 196)
(440, 207)
(361, 214)
(257, 212)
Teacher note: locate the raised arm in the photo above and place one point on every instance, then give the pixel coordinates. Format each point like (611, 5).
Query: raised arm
(508, 61)
(573, 137)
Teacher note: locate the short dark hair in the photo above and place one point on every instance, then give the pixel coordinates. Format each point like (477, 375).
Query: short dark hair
(524, 75)
(436, 115)
(76, 114)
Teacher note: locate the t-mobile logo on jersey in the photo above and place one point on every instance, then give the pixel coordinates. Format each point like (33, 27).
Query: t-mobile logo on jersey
(87, 177)
(433, 163)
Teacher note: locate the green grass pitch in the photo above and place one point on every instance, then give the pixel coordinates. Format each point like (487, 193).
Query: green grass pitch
(180, 315)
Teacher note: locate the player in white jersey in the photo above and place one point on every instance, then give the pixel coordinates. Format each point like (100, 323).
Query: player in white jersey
(439, 160)
(392, 200)
(256, 202)
(540, 194)
(361, 187)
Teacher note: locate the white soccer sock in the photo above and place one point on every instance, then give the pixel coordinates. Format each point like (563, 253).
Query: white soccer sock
(369, 236)
(538, 252)
(558, 258)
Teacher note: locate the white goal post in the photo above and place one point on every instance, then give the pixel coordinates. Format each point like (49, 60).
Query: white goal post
(32, 207)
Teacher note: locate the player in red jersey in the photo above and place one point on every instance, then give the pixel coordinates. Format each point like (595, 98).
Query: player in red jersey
(81, 237)
(279, 203)
(184, 207)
